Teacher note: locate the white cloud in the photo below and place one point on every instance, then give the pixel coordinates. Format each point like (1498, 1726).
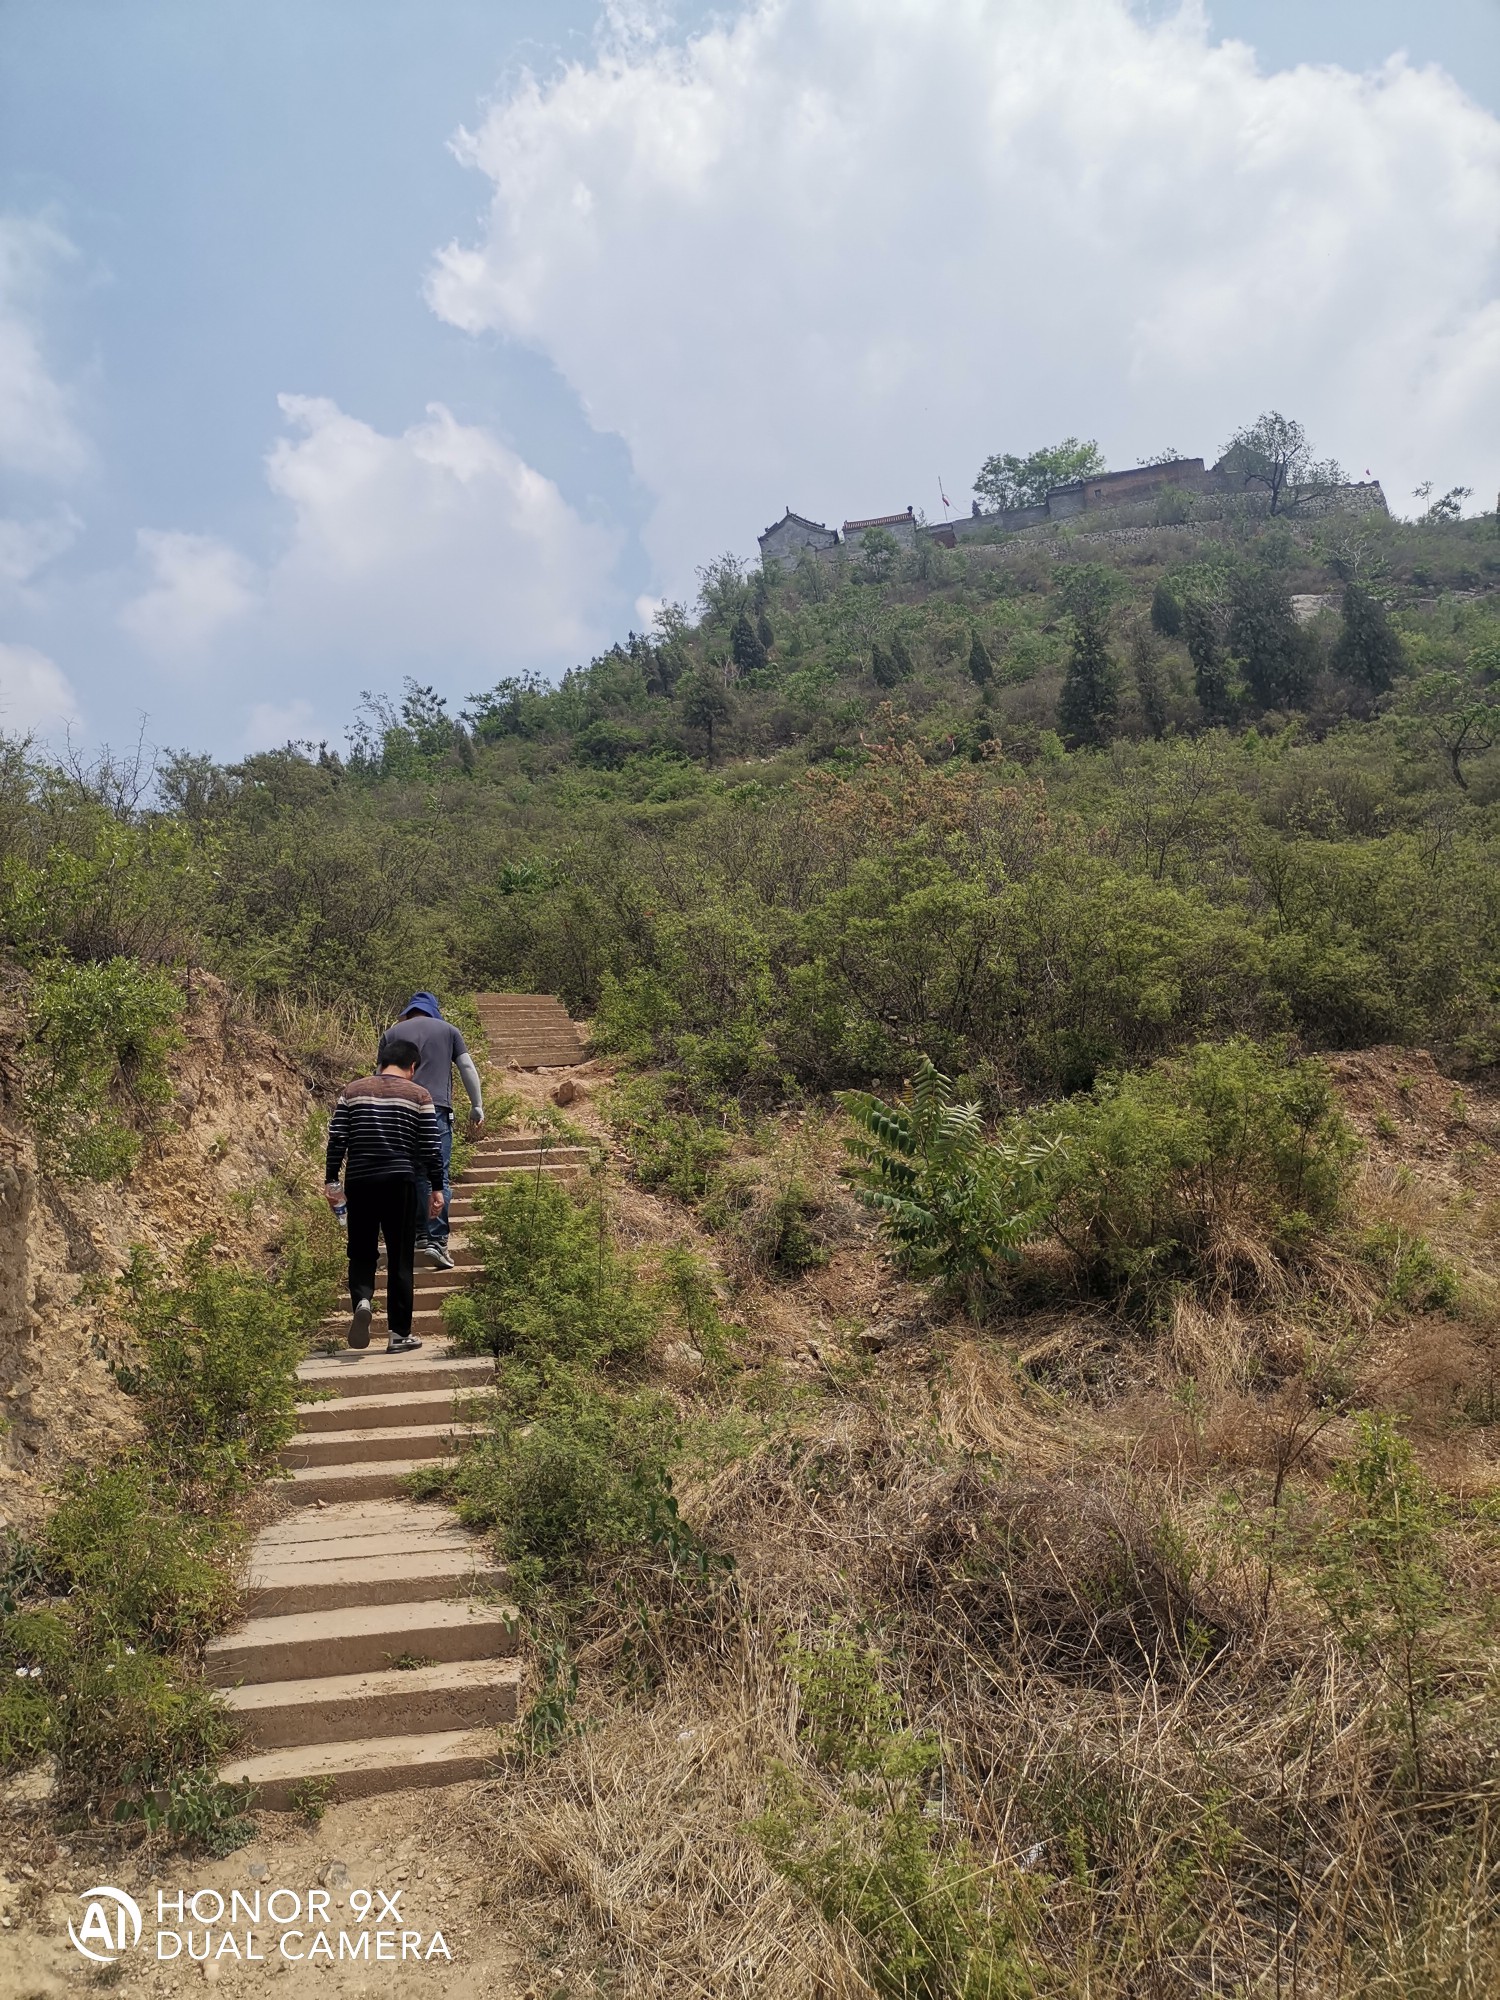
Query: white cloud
(441, 540)
(437, 550)
(270, 724)
(26, 547)
(34, 692)
(824, 253)
(39, 432)
(200, 586)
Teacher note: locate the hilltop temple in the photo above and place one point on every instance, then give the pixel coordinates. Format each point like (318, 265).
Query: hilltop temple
(785, 540)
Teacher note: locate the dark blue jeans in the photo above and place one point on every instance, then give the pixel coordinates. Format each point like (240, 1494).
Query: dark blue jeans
(436, 1230)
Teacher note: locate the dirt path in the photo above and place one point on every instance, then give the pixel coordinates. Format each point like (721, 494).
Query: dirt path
(408, 1846)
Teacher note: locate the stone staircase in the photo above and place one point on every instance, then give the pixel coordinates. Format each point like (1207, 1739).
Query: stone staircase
(530, 1030)
(376, 1654)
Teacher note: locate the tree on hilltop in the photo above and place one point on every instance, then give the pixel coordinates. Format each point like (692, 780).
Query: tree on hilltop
(1274, 454)
(1007, 481)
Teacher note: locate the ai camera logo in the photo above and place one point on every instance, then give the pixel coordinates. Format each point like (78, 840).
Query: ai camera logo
(108, 1915)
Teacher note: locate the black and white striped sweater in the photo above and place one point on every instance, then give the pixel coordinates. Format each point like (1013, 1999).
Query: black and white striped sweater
(386, 1129)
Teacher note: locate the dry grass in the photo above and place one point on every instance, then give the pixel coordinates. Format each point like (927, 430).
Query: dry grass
(631, 1847)
(1207, 1795)
(1081, 1549)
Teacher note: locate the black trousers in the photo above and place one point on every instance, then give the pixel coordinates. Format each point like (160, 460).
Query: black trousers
(389, 1208)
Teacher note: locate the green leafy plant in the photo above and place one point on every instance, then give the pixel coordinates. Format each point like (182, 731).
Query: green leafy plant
(217, 1378)
(1416, 1277)
(138, 1567)
(566, 1470)
(1381, 1574)
(98, 1039)
(953, 1203)
(1202, 1166)
(312, 1798)
(554, 1287)
(549, 1721)
(934, 1921)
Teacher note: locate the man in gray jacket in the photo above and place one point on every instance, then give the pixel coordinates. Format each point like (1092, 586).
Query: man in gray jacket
(440, 1050)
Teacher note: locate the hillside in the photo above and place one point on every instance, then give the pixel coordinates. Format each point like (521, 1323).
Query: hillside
(1023, 1527)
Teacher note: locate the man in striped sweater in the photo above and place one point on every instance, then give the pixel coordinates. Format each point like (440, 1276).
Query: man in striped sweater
(384, 1134)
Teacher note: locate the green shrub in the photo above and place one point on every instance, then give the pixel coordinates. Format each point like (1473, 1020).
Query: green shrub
(1381, 1574)
(566, 1470)
(934, 1921)
(98, 1038)
(1195, 1166)
(952, 1203)
(138, 1567)
(790, 1244)
(120, 1721)
(217, 1380)
(554, 1288)
(1416, 1277)
(673, 1151)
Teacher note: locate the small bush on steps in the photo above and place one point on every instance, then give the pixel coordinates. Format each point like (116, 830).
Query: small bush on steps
(567, 1469)
(554, 1287)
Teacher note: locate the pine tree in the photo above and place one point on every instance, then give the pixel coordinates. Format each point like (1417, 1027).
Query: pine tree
(745, 645)
(764, 633)
(1089, 704)
(905, 665)
(1367, 649)
(981, 668)
(1211, 678)
(883, 666)
(1166, 612)
(705, 702)
(1264, 636)
(1150, 682)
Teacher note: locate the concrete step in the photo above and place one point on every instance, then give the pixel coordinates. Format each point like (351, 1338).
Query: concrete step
(277, 1589)
(465, 1208)
(318, 1485)
(419, 1406)
(519, 1142)
(313, 1548)
(350, 1524)
(424, 1320)
(359, 1639)
(373, 1372)
(365, 1447)
(454, 1694)
(365, 1768)
(483, 1171)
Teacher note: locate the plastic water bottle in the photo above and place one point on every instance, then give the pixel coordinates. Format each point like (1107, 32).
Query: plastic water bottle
(341, 1215)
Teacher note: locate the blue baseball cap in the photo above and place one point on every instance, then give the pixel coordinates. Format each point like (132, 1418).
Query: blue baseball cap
(422, 1003)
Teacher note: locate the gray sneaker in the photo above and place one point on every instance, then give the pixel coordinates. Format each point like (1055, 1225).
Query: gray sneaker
(437, 1256)
(402, 1343)
(359, 1324)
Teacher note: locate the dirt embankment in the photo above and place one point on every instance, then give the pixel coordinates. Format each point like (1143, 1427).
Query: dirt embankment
(224, 1148)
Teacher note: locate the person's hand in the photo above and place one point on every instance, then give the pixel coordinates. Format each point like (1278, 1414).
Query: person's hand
(434, 1204)
(476, 1125)
(333, 1194)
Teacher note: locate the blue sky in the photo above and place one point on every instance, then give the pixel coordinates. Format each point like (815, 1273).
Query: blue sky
(295, 400)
